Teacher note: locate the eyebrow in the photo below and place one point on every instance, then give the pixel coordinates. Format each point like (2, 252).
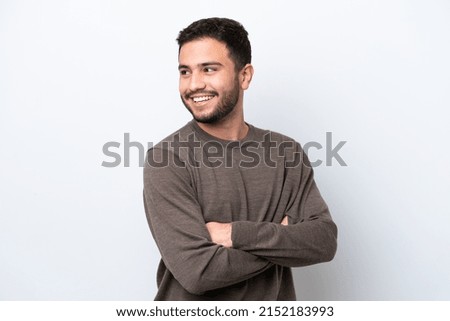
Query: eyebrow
(204, 64)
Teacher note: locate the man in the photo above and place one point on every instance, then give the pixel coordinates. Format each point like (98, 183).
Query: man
(231, 207)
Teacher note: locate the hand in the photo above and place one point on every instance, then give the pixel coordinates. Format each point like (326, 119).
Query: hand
(220, 233)
(285, 221)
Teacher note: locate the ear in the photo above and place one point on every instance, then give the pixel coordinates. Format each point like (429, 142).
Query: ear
(246, 75)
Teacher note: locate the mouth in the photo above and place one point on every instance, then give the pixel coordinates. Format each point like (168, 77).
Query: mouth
(201, 98)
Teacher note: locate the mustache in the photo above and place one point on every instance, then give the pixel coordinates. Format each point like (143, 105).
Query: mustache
(200, 92)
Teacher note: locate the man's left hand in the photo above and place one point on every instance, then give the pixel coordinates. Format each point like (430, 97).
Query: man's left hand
(220, 233)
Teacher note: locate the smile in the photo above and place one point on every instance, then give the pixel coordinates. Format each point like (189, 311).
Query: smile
(202, 98)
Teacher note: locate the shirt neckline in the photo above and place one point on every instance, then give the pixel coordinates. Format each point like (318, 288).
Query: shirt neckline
(208, 137)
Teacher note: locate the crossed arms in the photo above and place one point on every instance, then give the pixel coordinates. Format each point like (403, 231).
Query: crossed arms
(221, 232)
(205, 256)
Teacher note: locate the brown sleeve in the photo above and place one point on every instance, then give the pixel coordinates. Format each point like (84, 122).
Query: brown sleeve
(178, 227)
(310, 237)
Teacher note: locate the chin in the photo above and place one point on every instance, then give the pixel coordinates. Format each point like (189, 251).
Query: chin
(205, 119)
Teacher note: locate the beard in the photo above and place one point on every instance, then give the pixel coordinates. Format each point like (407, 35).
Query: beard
(226, 104)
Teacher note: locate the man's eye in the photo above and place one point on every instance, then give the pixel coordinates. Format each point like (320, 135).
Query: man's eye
(184, 72)
(209, 69)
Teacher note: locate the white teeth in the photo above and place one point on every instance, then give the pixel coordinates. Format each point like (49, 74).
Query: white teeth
(203, 98)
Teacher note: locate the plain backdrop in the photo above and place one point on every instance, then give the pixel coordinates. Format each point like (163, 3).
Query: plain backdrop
(75, 75)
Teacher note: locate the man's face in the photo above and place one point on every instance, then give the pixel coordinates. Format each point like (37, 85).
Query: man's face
(209, 84)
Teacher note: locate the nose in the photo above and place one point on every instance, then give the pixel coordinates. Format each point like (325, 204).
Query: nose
(196, 82)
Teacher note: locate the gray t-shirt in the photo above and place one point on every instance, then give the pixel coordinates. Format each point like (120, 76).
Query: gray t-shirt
(191, 178)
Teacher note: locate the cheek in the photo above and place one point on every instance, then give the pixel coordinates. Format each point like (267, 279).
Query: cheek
(182, 86)
(228, 82)
(218, 83)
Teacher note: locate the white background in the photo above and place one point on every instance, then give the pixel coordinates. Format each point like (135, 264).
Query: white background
(75, 75)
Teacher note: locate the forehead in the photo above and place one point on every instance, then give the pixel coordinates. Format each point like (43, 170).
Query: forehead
(203, 50)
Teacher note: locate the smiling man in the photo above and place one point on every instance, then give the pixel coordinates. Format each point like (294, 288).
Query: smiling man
(205, 105)
(231, 207)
